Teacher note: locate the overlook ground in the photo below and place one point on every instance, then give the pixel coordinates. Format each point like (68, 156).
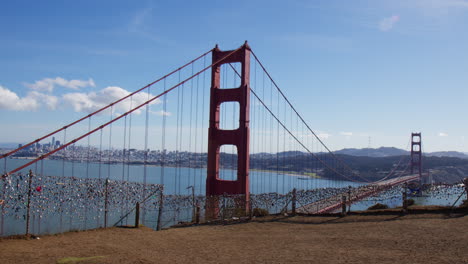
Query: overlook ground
(422, 238)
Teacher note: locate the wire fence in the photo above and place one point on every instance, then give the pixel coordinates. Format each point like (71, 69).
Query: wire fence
(37, 204)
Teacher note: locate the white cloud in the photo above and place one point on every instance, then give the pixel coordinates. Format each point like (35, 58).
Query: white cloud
(48, 84)
(387, 23)
(348, 134)
(48, 100)
(324, 135)
(161, 113)
(32, 101)
(442, 134)
(90, 102)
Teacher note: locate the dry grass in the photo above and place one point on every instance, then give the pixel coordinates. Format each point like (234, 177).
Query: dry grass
(421, 238)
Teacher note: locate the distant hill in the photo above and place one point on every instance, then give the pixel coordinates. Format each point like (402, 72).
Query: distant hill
(452, 154)
(370, 152)
(391, 151)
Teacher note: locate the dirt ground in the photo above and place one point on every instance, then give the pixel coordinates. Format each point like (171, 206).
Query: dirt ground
(424, 238)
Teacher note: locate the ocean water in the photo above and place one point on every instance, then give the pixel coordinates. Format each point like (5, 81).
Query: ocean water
(175, 180)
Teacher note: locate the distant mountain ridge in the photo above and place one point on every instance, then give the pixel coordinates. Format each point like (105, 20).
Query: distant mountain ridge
(370, 152)
(391, 151)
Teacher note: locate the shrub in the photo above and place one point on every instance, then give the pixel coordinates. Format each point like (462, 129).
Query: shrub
(378, 206)
(409, 202)
(464, 204)
(260, 212)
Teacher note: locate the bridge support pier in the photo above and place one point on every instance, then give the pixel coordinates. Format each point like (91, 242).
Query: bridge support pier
(215, 187)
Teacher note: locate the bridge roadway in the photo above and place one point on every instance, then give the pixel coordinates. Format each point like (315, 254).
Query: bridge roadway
(333, 203)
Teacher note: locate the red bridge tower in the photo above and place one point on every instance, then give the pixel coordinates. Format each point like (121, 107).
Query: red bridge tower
(238, 137)
(416, 154)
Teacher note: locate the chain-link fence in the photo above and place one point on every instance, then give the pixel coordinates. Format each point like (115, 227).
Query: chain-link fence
(48, 204)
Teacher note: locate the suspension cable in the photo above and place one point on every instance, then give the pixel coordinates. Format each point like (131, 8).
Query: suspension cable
(120, 116)
(104, 108)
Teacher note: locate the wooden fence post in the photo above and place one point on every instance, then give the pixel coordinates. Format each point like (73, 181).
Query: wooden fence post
(349, 198)
(343, 205)
(28, 205)
(137, 215)
(293, 201)
(197, 214)
(466, 187)
(160, 210)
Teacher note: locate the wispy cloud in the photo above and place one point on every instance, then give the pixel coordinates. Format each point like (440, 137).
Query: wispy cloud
(324, 135)
(443, 134)
(48, 84)
(386, 24)
(161, 113)
(143, 25)
(9, 100)
(347, 134)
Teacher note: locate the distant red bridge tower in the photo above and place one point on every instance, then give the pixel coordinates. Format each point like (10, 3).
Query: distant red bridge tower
(416, 154)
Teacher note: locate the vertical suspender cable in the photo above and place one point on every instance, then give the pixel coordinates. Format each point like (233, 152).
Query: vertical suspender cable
(190, 114)
(203, 121)
(176, 180)
(145, 164)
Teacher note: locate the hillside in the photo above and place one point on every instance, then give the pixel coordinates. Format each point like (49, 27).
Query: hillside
(442, 169)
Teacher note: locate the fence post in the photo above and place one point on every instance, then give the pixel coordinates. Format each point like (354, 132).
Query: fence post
(106, 197)
(405, 198)
(466, 187)
(349, 198)
(197, 214)
(137, 215)
(2, 203)
(224, 208)
(160, 209)
(28, 205)
(193, 204)
(343, 205)
(293, 201)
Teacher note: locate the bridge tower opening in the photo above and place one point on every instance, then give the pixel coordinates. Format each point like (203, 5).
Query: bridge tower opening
(416, 154)
(215, 186)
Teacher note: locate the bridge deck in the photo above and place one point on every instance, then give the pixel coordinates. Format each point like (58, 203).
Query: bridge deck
(333, 203)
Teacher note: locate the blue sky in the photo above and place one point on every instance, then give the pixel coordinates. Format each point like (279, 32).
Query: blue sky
(354, 69)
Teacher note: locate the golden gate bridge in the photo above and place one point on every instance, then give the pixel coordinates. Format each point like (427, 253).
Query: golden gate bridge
(207, 127)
